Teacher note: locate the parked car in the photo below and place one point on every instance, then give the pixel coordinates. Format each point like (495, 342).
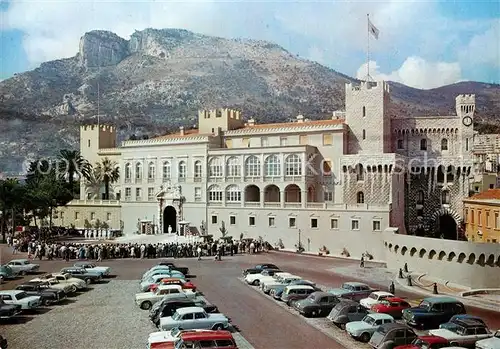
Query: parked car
(8, 311)
(454, 318)
(23, 266)
(54, 284)
(206, 340)
(272, 279)
(389, 335)
(346, 311)
(186, 285)
(6, 273)
(433, 311)
(363, 330)
(280, 281)
(145, 300)
(48, 295)
(169, 307)
(316, 304)
(91, 267)
(353, 290)
(172, 266)
(296, 292)
(154, 280)
(254, 279)
(166, 339)
(393, 306)
(64, 278)
(171, 273)
(194, 318)
(93, 277)
(490, 343)
(426, 342)
(466, 333)
(258, 268)
(374, 298)
(21, 298)
(277, 292)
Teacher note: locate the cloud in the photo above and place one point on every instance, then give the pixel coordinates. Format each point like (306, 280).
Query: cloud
(484, 48)
(416, 72)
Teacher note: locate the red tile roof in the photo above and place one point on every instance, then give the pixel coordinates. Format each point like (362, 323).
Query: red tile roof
(296, 124)
(490, 194)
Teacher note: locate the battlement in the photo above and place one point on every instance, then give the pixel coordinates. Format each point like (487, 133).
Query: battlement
(107, 128)
(465, 98)
(365, 85)
(465, 104)
(220, 113)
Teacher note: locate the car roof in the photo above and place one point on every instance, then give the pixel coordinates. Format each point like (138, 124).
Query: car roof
(11, 292)
(433, 339)
(19, 260)
(355, 283)
(379, 316)
(395, 299)
(188, 310)
(393, 325)
(338, 291)
(169, 287)
(300, 287)
(443, 299)
(321, 294)
(382, 293)
(172, 279)
(212, 335)
(469, 322)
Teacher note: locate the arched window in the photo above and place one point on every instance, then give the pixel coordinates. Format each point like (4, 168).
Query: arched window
(182, 170)
(214, 193)
(445, 197)
(167, 171)
(360, 197)
(138, 171)
(444, 144)
(420, 197)
(293, 165)
(198, 169)
(215, 167)
(128, 171)
(360, 173)
(233, 167)
(272, 166)
(423, 144)
(151, 171)
(252, 166)
(233, 193)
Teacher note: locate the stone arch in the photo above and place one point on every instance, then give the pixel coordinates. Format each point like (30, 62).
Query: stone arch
(396, 249)
(252, 166)
(293, 193)
(422, 253)
(481, 260)
(461, 257)
(272, 166)
(252, 193)
(344, 169)
(311, 193)
(491, 260)
(451, 256)
(272, 193)
(432, 253)
(441, 255)
(471, 259)
(233, 193)
(413, 251)
(447, 215)
(360, 197)
(404, 250)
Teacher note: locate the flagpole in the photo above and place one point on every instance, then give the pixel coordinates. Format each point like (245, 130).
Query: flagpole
(368, 47)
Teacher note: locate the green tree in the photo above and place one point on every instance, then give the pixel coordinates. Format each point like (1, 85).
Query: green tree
(11, 200)
(71, 165)
(93, 184)
(108, 171)
(223, 229)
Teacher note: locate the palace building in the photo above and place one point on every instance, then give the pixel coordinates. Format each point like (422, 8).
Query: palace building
(336, 183)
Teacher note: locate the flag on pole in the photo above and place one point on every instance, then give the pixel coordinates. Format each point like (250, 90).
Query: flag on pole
(372, 29)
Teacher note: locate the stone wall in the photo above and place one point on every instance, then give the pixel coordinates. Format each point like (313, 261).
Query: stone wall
(77, 211)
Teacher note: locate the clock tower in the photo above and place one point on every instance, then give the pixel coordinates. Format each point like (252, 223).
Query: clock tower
(465, 106)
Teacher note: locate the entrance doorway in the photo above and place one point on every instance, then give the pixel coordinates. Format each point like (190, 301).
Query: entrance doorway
(169, 219)
(447, 227)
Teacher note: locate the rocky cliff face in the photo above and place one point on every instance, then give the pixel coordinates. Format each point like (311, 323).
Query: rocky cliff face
(158, 79)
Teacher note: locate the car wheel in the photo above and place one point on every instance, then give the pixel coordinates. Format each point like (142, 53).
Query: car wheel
(218, 327)
(23, 272)
(312, 313)
(255, 283)
(46, 302)
(73, 289)
(342, 326)
(365, 337)
(146, 305)
(88, 281)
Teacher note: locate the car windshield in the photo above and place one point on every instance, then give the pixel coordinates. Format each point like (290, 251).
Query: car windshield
(420, 343)
(458, 330)
(497, 334)
(373, 296)
(347, 287)
(385, 302)
(369, 320)
(425, 305)
(176, 316)
(175, 331)
(26, 262)
(21, 295)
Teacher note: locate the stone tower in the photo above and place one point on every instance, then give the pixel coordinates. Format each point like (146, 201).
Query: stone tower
(465, 106)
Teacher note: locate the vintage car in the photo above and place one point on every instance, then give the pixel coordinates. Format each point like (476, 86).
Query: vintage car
(374, 298)
(433, 311)
(7, 273)
(258, 268)
(146, 284)
(393, 306)
(254, 279)
(206, 340)
(352, 290)
(145, 300)
(160, 338)
(489, 343)
(8, 311)
(466, 333)
(272, 279)
(55, 284)
(295, 293)
(172, 266)
(91, 267)
(194, 318)
(316, 304)
(21, 298)
(48, 295)
(23, 266)
(346, 311)
(280, 281)
(363, 330)
(64, 279)
(163, 271)
(277, 292)
(426, 342)
(389, 335)
(454, 318)
(186, 285)
(169, 306)
(83, 274)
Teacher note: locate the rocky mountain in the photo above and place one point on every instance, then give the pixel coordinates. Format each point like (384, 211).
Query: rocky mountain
(158, 79)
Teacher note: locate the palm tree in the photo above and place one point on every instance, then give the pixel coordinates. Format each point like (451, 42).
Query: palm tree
(11, 197)
(73, 163)
(108, 170)
(93, 184)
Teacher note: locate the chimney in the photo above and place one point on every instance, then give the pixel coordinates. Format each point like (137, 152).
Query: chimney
(181, 130)
(251, 122)
(300, 118)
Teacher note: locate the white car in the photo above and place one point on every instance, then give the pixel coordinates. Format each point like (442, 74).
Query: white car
(282, 280)
(158, 271)
(146, 300)
(374, 298)
(155, 339)
(64, 279)
(489, 343)
(466, 333)
(21, 298)
(153, 280)
(272, 279)
(90, 267)
(23, 266)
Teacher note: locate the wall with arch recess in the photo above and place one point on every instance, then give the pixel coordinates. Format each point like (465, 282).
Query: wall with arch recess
(476, 265)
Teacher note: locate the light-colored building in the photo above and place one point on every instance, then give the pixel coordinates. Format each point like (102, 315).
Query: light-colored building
(336, 183)
(486, 163)
(482, 216)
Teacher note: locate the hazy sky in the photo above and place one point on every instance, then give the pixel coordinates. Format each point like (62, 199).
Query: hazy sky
(422, 44)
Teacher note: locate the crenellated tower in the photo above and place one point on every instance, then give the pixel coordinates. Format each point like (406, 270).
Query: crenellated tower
(465, 106)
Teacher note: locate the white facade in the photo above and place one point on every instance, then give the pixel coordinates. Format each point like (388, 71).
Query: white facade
(336, 183)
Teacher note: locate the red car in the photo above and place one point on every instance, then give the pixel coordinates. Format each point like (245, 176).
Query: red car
(186, 285)
(393, 306)
(426, 342)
